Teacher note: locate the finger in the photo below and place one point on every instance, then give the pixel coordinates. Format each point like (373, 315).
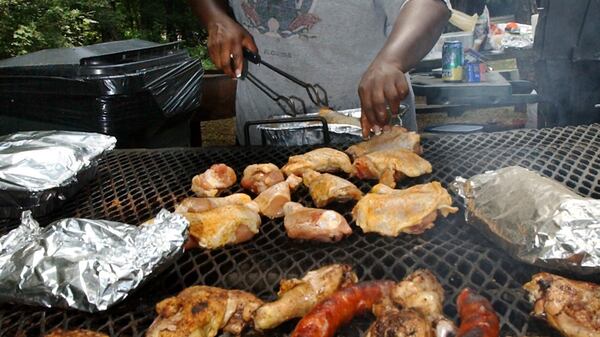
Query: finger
(392, 98)
(248, 43)
(379, 107)
(365, 125)
(226, 61)
(214, 51)
(238, 60)
(366, 107)
(401, 87)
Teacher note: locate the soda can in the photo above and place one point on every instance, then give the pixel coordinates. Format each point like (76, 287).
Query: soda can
(452, 61)
(472, 73)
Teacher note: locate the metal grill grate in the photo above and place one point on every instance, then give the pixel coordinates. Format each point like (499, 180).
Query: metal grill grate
(132, 186)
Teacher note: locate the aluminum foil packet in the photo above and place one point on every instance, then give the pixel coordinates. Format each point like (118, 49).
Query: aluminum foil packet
(88, 265)
(534, 219)
(41, 169)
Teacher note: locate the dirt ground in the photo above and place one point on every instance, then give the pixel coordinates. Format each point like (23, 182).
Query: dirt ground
(222, 132)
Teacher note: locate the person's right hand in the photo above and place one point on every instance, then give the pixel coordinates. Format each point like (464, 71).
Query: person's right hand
(226, 38)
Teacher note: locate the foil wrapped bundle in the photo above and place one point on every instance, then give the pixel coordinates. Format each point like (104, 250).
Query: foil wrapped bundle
(534, 219)
(41, 169)
(84, 264)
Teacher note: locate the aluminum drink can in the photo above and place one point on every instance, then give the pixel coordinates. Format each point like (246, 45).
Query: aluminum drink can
(472, 74)
(452, 61)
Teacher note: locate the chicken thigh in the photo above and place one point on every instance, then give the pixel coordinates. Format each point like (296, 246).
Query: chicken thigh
(202, 311)
(298, 297)
(571, 307)
(314, 224)
(390, 166)
(271, 201)
(197, 205)
(320, 160)
(390, 212)
(397, 138)
(213, 181)
(325, 188)
(258, 177)
(224, 225)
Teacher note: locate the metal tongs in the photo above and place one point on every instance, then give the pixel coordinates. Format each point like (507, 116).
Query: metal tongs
(291, 105)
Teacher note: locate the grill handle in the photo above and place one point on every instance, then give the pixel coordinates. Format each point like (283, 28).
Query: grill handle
(324, 126)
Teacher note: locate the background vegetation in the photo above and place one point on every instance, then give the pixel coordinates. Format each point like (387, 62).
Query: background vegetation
(31, 25)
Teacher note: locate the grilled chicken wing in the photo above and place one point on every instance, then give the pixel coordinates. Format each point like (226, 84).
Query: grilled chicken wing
(298, 297)
(397, 138)
(320, 160)
(314, 224)
(75, 333)
(271, 201)
(212, 181)
(197, 205)
(325, 188)
(334, 117)
(390, 166)
(202, 311)
(571, 307)
(224, 225)
(415, 309)
(258, 177)
(390, 212)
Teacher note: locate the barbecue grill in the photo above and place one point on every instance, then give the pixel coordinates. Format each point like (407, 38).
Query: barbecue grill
(133, 185)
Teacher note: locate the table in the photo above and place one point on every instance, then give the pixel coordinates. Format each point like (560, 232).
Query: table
(133, 185)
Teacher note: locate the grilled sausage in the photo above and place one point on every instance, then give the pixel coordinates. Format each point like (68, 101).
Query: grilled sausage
(477, 317)
(339, 308)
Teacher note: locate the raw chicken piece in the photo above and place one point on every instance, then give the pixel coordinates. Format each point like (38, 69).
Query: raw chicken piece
(75, 333)
(224, 225)
(298, 297)
(397, 138)
(314, 224)
(258, 177)
(571, 307)
(214, 180)
(325, 188)
(321, 160)
(271, 201)
(390, 212)
(202, 311)
(415, 304)
(390, 166)
(197, 205)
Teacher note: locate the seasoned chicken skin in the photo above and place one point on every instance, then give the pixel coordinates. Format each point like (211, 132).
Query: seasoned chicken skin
(390, 166)
(320, 160)
(197, 205)
(397, 138)
(258, 177)
(214, 180)
(298, 297)
(325, 188)
(414, 309)
(390, 212)
(571, 307)
(75, 333)
(271, 201)
(202, 311)
(314, 224)
(224, 225)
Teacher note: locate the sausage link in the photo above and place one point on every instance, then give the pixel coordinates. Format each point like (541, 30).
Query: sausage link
(477, 317)
(339, 308)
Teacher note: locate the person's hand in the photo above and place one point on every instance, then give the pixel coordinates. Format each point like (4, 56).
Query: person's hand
(226, 38)
(382, 85)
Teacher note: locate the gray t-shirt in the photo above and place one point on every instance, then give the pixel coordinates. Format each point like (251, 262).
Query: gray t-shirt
(329, 42)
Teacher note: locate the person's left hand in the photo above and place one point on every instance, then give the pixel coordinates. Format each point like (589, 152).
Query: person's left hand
(383, 84)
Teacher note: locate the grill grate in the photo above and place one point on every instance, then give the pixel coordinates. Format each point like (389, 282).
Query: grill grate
(132, 185)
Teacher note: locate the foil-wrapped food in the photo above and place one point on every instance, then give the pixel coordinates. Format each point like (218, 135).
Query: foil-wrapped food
(85, 264)
(41, 169)
(535, 219)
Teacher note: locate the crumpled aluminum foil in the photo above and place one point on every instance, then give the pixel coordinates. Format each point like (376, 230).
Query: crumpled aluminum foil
(534, 219)
(83, 264)
(40, 160)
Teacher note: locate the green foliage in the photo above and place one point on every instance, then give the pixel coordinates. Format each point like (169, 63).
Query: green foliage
(31, 25)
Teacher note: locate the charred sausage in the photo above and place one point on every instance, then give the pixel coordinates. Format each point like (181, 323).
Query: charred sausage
(477, 317)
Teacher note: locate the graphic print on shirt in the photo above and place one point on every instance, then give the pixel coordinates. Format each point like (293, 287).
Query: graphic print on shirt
(281, 18)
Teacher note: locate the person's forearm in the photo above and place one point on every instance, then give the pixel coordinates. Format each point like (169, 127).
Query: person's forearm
(417, 28)
(208, 10)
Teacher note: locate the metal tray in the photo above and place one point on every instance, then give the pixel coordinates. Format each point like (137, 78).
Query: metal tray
(132, 185)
